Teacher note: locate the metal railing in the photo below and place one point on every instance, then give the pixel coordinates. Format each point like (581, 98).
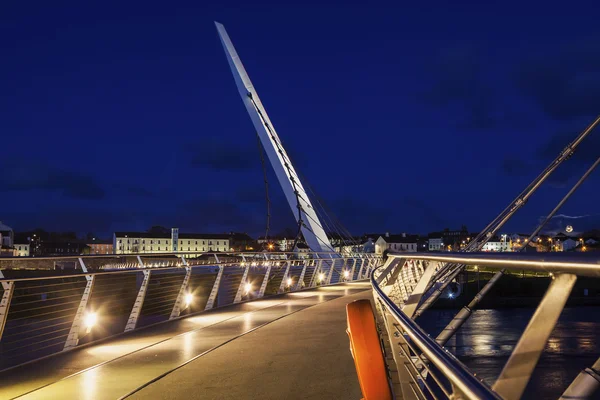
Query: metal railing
(420, 367)
(43, 315)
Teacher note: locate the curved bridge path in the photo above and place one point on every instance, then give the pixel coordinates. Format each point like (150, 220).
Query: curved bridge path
(291, 346)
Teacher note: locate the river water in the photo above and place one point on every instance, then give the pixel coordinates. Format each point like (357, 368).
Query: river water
(486, 340)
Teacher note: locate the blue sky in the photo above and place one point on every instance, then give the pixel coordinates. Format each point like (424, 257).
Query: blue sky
(402, 117)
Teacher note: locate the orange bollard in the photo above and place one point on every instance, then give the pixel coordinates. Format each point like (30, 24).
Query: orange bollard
(366, 351)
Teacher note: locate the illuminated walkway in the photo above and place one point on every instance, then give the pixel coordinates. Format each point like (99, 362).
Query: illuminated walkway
(289, 346)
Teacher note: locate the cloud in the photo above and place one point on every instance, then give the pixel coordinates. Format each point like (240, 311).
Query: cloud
(580, 223)
(132, 190)
(219, 155)
(459, 84)
(514, 166)
(35, 176)
(563, 83)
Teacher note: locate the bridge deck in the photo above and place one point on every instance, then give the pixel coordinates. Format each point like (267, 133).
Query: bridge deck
(289, 346)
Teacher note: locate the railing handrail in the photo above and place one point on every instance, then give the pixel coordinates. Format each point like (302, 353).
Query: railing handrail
(580, 264)
(178, 254)
(458, 375)
(241, 264)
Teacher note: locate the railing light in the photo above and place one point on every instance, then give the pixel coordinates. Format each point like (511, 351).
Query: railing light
(188, 299)
(90, 319)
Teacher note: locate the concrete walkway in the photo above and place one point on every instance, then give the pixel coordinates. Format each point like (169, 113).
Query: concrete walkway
(289, 346)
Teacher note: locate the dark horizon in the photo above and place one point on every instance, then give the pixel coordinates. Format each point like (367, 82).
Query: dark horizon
(124, 116)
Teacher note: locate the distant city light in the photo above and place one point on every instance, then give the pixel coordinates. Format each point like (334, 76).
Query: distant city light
(321, 276)
(346, 274)
(289, 282)
(248, 287)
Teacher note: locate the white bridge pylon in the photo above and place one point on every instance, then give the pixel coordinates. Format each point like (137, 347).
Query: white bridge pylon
(312, 229)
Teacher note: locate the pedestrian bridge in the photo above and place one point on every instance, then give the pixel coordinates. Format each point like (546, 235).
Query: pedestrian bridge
(269, 326)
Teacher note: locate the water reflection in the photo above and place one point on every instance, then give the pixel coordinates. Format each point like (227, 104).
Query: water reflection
(487, 339)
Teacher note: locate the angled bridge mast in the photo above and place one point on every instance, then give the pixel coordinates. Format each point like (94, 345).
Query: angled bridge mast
(305, 214)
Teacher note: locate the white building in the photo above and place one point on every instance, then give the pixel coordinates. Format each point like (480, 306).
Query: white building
(144, 242)
(21, 250)
(436, 244)
(497, 245)
(402, 242)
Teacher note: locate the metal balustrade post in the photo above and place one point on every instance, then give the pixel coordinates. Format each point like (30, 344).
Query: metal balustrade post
(182, 293)
(360, 270)
(518, 369)
(585, 385)
(215, 290)
(399, 367)
(140, 261)
(415, 297)
(240, 291)
(184, 261)
(437, 293)
(136, 310)
(330, 273)
(344, 269)
(353, 268)
(285, 278)
(301, 278)
(263, 286)
(77, 325)
(9, 288)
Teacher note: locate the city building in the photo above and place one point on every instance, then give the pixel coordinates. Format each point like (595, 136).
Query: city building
(401, 242)
(98, 246)
(6, 236)
(156, 242)
(436, 242)
(21, 250)
(242, 242)
(496, 244)
(62, 248)
(276, 243)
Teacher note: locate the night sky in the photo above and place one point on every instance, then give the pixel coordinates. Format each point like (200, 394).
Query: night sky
(402, 117)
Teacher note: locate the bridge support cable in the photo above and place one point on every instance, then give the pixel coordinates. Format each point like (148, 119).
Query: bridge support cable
(464, 314)
(492, 228)
(518, 369)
